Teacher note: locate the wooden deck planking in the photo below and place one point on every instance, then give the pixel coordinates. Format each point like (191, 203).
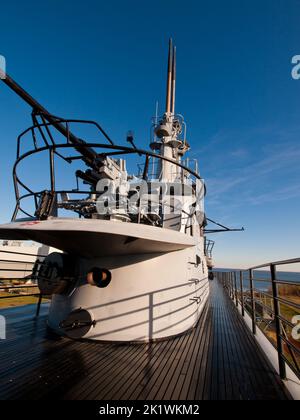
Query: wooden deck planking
(218, 360)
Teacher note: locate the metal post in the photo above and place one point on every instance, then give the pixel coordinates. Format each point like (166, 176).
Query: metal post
(39, 305)
(232, 286)
(228, 284)
(281, 362)
(242, 293)
(252, 302)
(52, 170)
(236, 290)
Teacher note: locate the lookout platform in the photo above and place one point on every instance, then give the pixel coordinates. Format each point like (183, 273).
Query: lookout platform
(218, 360)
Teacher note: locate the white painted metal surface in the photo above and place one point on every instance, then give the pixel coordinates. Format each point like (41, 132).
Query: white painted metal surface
(93, 238)
(150, 296)
(155, 291)
(153, 261)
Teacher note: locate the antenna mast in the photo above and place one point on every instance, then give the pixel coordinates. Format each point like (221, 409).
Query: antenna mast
(173, 81)
(169, 78)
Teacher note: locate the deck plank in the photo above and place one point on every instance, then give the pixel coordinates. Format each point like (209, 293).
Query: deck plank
(217, 360)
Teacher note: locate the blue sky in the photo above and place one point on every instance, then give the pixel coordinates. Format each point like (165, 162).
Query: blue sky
(107, 61)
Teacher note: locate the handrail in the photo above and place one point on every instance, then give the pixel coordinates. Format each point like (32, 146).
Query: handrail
(22, 253)
(8, 284)
(22, 286)
(16, 262)
(53, 149)
(250, 298)
(284, 262)
(9, 289)
(43, 140)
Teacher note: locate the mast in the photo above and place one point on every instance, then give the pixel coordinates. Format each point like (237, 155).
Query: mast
(169, 128)
(169, 78)
(173, 81)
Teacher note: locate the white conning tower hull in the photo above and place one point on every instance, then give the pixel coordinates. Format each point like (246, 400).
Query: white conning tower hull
(150, 297)
(133, 266)
(157, 289)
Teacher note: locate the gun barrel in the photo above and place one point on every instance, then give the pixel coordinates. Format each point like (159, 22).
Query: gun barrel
(89, 155)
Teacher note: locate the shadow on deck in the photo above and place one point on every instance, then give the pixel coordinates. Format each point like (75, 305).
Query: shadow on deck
(218, 360)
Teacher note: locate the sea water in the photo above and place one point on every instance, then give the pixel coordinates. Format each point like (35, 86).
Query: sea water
(265, 276)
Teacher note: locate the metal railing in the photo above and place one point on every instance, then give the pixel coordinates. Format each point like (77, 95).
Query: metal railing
(273, 305)
(13, 284)
(39, 140)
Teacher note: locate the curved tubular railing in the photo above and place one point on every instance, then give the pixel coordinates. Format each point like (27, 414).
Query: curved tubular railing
(39, 126)
(113, 150)
(251, 298)
(39, 193)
